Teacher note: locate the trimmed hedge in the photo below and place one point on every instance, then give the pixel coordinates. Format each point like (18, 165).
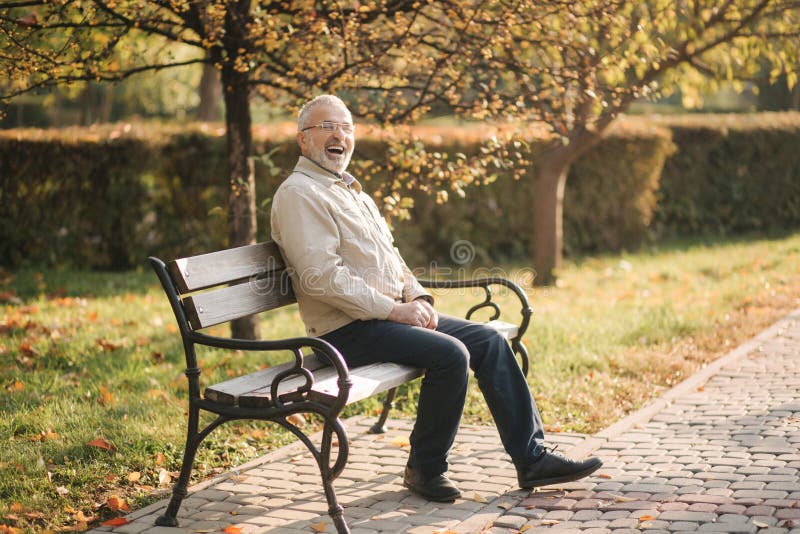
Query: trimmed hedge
(108, 197)
(731, 175)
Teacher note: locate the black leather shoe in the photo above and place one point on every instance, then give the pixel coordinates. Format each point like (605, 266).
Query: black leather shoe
(436, 488)
(552, 468)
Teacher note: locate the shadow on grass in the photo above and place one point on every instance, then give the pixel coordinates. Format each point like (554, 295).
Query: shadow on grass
(28, 283)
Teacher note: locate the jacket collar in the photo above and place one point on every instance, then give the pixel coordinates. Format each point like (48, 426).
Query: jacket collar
(324, 176)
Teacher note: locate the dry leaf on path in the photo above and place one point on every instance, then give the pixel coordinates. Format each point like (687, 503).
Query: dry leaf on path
(134, 476)
(401, 441)
(116, 522)
(232, 530)
(297, 420)
(477, 497)
(319, 527)
(620, 498)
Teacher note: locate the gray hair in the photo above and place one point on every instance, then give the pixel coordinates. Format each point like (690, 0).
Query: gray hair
(305, 111)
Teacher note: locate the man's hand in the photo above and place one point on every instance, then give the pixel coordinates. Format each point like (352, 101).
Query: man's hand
(417, 313)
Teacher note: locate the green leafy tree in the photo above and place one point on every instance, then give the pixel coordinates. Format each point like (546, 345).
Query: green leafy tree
(575, 66)
(392, 58)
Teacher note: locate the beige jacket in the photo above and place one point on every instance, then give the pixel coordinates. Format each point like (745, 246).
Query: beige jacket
(339, 250)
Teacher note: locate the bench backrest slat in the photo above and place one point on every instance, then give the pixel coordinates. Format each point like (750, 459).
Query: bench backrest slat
(228, 303)
(215, 268)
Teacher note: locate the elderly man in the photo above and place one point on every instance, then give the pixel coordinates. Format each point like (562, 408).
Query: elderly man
(356, 292)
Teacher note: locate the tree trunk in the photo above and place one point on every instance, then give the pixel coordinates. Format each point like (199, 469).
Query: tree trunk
(242, 197)
(548, 207)
(552, 168)
(210, 91)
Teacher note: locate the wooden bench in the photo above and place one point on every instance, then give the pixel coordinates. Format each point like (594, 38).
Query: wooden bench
(215, 288)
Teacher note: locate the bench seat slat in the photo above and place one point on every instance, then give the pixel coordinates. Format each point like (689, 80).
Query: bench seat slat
(228, 392)
(508, 330)
(367, 380)
(215, 268)
(253, 390)
(227, 303)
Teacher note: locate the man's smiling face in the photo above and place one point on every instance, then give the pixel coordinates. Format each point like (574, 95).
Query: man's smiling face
(331, 150)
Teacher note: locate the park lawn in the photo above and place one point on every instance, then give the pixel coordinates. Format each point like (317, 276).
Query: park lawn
(92, 396)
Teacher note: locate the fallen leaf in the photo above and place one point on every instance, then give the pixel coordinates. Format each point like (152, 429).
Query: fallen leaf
(603, 475)
(401, 441)
(91, 316)
(550, 521)
(16, 508)
(18, 386)
(106, 397)
(646, 518)
(61, 490)
(163, 477)
(116, 522)
(11, 517)
(80, 527)
(80, 517)
(760, 524)
(117, 503)
(477, 497)
(297, 420)
(319, 527)
(106, 345)
(620, 498)
(232, 530)
(160, 459)
(5, 529)
(134, 476)
(525, 527)
(27, 349)
(100, 443)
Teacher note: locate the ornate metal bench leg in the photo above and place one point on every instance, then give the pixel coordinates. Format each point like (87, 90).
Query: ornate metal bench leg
(170, 517)
(328, 475)
(388, 403)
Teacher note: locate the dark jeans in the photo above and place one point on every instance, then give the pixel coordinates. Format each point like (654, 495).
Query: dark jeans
(446, 353)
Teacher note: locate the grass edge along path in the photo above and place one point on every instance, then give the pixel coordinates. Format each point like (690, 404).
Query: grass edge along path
(92, 397)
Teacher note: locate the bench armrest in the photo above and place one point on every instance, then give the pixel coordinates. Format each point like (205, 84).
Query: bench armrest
(485, 283)
(296, 344)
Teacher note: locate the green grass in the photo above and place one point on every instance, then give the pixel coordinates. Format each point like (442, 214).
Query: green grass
(95, 355)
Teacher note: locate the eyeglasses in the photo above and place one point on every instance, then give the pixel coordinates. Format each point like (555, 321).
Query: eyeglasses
(330, 126)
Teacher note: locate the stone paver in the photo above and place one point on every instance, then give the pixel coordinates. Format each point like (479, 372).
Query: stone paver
(718, 453)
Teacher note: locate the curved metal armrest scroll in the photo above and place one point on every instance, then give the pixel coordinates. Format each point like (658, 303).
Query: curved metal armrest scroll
(485, 283)
(320, 346)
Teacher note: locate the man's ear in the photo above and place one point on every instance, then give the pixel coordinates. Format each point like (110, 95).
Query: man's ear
(301, 142)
